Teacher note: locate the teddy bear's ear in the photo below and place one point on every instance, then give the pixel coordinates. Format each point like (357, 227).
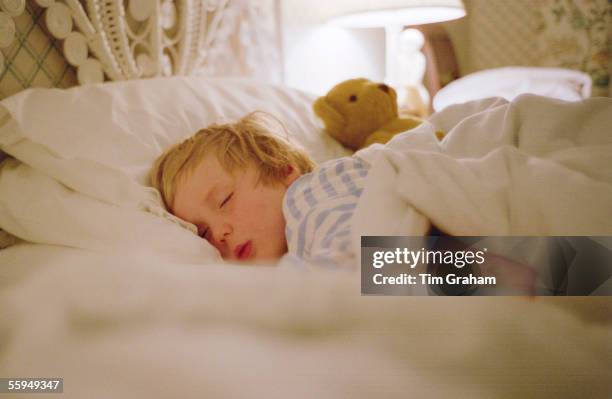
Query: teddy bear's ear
(334, 121)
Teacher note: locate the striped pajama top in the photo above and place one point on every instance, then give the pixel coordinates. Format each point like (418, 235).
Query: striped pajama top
(318, 209)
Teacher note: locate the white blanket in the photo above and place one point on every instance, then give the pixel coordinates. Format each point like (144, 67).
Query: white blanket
(535, 166)
(125, 327)
(153, 322)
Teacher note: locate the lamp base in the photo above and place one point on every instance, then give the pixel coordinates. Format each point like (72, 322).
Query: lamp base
(405, 66)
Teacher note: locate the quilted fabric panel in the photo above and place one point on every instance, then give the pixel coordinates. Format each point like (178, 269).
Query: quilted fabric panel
(239, 38)
(501, 33)
(33, 60)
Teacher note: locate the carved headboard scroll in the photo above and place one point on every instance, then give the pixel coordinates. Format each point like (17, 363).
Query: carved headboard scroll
(90, 41)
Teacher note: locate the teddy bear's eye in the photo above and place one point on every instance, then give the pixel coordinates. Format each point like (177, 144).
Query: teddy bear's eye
(353, 98)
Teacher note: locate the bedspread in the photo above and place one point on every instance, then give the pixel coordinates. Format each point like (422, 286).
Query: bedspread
(125, 316)
(534, 166)
(138, 327)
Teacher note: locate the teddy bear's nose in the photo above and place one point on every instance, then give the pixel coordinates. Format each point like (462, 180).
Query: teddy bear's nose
(384, 88)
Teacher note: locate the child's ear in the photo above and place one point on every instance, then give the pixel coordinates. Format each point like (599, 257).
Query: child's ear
(291, 174)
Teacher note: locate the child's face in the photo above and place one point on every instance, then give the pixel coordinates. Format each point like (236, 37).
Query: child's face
(242, 219)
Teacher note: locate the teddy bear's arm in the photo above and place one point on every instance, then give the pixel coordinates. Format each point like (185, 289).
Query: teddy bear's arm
(379, 136)
(401, 124)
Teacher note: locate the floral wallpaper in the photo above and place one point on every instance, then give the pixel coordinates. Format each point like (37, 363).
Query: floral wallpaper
(576, 34)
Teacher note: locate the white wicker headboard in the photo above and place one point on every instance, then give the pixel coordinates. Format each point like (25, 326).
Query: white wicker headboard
(62, 43)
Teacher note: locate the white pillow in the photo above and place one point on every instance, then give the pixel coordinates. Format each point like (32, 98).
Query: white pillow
(510, 82)
(85, 154)
(128, 124)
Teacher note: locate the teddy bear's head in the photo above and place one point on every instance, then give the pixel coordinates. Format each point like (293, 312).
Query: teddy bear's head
(355, 108)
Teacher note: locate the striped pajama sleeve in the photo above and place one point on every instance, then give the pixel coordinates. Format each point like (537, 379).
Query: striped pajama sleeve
(318, 209)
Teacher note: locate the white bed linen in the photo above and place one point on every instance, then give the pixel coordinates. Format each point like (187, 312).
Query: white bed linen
(135, 327)
(138, 320)
(534, 166)
(83, 155)
(510, 82)
(128, 124)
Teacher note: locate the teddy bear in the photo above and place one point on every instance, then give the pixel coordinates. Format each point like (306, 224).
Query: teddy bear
(359, 112)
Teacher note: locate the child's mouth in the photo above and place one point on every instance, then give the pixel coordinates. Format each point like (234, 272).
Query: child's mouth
(243, 251)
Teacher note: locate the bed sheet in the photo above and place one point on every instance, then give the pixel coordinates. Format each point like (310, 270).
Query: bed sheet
(134, 326)
(533, 166)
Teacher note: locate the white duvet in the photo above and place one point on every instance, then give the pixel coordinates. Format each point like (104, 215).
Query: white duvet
(534, 166)
(140, 328)
(130, 304)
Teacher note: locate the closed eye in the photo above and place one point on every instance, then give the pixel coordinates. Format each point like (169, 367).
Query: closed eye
(226, 200)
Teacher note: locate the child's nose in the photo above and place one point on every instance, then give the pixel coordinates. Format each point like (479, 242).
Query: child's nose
(222, 233)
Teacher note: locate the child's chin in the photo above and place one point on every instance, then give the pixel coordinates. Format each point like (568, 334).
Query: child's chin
(268, 259)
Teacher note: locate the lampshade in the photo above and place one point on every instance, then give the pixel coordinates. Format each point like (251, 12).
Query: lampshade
(381, 13)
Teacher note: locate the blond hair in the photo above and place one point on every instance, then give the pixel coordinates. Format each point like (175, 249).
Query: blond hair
(253, 139)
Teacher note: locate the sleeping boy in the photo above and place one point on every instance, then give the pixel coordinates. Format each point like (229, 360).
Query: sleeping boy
(254, 195)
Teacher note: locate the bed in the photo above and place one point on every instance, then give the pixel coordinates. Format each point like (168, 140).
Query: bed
(102, 287)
